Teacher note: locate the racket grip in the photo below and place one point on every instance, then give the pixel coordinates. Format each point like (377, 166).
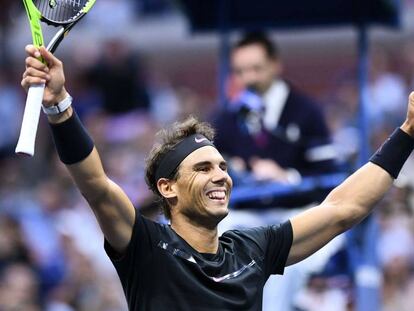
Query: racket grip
(26, 142)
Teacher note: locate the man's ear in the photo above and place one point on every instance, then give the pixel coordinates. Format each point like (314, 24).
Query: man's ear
(166, 189)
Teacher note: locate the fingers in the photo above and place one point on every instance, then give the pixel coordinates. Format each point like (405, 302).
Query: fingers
(49, 72)
(32, 51)
(50, 59)
(27, 82)
(32, 72)
(36, 72)
(32, 62)
(34, 76)
(36, 53)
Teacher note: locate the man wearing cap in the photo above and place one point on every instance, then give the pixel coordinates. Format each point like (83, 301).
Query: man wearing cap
(186, 265)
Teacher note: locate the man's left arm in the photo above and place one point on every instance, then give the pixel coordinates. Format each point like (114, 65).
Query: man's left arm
(354, 199)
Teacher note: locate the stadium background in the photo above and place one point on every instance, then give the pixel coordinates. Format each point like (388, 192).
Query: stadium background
(51, 254)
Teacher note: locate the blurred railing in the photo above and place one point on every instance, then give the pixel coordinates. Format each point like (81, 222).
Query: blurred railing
(277, 194)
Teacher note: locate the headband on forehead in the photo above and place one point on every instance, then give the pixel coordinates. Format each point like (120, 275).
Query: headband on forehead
(174, 157)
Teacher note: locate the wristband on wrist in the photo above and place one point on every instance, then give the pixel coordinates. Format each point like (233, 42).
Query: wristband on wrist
(59, 107)
(72, 141)
(393, 153)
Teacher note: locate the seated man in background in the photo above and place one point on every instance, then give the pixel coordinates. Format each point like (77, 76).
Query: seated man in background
(281, 134)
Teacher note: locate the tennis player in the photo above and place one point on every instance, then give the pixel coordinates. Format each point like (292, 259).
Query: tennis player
(186, 265)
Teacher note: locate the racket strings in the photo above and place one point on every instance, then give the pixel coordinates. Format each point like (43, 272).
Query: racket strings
(60, 11)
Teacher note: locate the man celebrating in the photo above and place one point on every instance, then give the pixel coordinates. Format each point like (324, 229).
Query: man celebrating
(186, 265)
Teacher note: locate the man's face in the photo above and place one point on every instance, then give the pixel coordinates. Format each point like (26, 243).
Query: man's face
(252, 67)
(203, 187)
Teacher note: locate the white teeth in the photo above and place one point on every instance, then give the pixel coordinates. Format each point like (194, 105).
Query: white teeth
(217, 195)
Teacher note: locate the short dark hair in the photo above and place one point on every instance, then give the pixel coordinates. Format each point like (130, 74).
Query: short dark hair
(167, 139)
(259, 38)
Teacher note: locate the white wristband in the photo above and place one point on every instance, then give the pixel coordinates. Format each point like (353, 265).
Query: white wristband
(60, 107)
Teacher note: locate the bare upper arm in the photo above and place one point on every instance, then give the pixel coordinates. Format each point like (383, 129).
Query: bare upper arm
(344, 207)
(313, 229)
(113, 209)
(116, 215)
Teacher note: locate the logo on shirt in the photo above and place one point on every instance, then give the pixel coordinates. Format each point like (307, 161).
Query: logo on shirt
(233, 274)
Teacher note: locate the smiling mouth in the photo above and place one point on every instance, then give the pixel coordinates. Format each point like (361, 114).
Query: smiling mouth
(217, 195)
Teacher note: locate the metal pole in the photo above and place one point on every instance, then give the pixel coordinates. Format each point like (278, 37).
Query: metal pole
(366, 270)
(363, 95)
(223, 69)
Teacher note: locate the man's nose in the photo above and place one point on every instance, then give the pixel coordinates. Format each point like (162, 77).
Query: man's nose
(247, 76)
(250, 80)
(220, 175)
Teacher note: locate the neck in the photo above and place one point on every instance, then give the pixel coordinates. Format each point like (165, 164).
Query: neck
(202, 238)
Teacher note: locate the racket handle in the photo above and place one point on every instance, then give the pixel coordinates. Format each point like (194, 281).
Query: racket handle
(26, 142)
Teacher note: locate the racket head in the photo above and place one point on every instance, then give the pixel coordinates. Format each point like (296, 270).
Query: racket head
(62, 12)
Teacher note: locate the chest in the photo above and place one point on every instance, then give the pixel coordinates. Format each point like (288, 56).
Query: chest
(235, 279)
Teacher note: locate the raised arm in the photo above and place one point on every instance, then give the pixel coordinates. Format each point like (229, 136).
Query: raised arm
(356, 197)
(113, 210)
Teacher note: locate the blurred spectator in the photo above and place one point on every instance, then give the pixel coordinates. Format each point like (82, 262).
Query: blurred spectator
(407, 63)
(341, 116)
(112, 17)
(19, 289)
(10, 113)
(165, 105)
(386, 91)
(5, 13)
(152, 7)
(169, 103)
(319, 296)
(396, 250)
(281, 134)
(5, 22)
(118, 77)
(398, 289)
(13, 248)
(19, 286)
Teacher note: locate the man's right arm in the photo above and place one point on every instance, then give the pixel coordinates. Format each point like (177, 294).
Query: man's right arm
(353, 200)
(112, 208)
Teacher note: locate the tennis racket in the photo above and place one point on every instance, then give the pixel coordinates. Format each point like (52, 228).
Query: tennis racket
(58, 13)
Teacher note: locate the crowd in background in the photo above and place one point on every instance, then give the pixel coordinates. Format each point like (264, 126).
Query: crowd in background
(51, 248)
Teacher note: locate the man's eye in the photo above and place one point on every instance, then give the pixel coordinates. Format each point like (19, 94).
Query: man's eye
(237, 71)
(203, 169)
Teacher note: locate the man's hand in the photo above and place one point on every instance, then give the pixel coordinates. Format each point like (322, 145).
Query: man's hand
(51, 74)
